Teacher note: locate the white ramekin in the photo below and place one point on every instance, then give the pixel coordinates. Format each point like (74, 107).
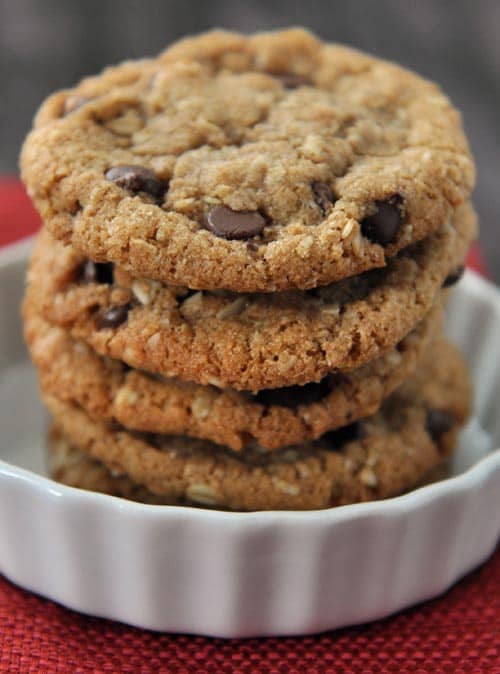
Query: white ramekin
(229, 574)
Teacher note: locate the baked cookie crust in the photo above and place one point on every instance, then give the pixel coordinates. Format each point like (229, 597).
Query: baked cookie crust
(252, 341)
(382, 456)
(248, 163)
(107, 390)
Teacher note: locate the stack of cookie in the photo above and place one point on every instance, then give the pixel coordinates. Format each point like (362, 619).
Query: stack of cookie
(235, 300)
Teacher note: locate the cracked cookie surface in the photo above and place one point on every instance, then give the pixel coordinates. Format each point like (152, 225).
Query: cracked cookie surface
(252, 341)
(252, 164)
(384, 455)
(274, 418)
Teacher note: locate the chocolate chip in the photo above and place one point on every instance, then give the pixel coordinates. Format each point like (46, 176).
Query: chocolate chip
(438, 422)
(383, 225)
(454, 277)
(137, 179)
(341, 436)
(113, 317)
(293, 80)
(97, 272)
(229, 224)
(323, 195)
(293, 396)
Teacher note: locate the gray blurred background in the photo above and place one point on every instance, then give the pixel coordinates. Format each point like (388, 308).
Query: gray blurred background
(50, 44)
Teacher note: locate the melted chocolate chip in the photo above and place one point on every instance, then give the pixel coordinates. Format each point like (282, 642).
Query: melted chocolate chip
(454, 277)
(229, 224)
(293, 396)
(137, 179)
(382, 227)
(97, 272)
(336, 439)
(438, 422)
(323, 195)
(293, 80)
(113, 317)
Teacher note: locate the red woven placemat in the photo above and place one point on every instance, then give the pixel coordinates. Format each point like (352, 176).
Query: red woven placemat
(457, 633)
(18, 218)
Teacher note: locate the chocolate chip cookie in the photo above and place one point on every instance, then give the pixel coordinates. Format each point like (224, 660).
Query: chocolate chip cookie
(245, 341)
(381, 456)
(68, 465)
(107, 390)
(251, 164)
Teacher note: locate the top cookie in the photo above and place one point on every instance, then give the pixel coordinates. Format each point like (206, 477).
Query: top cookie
(253, 164)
